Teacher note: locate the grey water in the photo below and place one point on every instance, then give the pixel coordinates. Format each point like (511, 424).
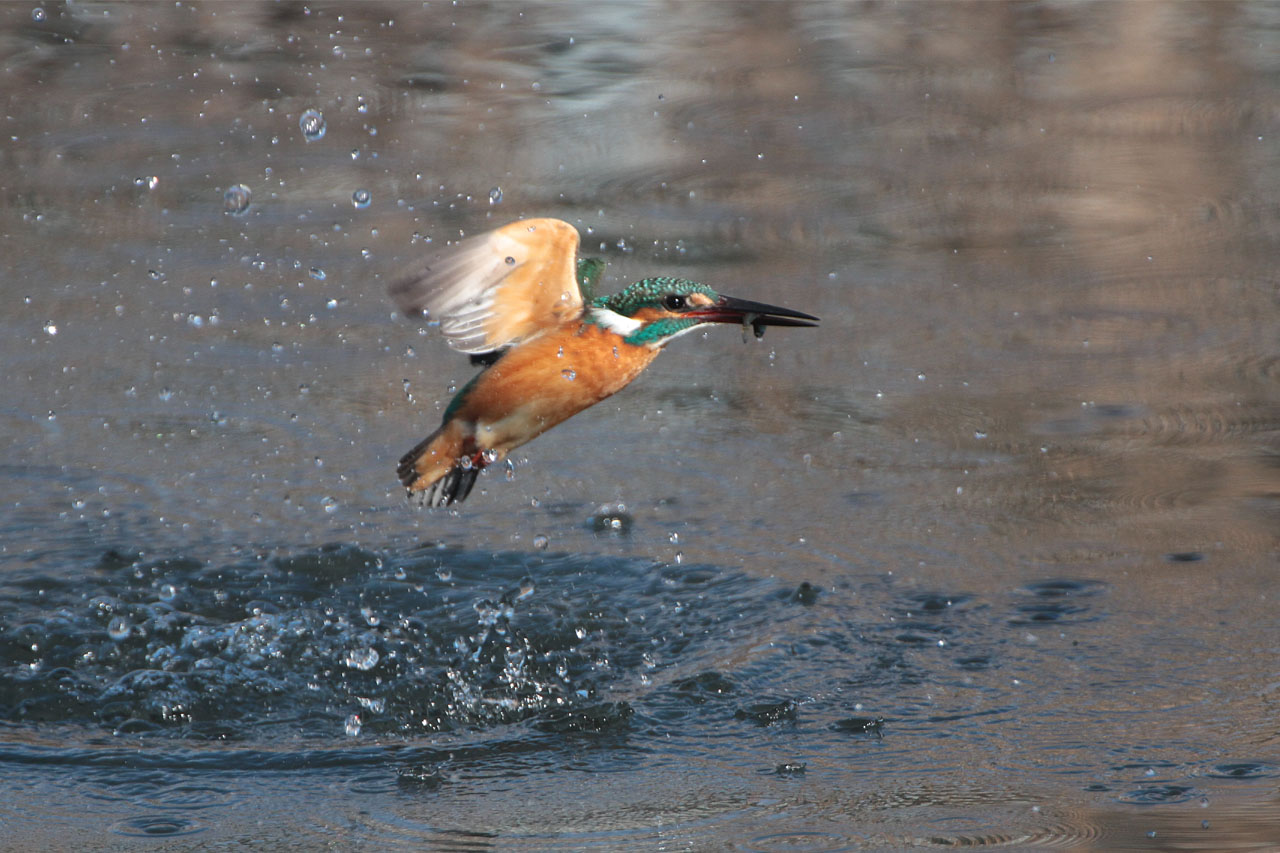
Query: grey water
(988, 559)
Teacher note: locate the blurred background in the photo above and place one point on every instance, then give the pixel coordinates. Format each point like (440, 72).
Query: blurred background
(987, 558)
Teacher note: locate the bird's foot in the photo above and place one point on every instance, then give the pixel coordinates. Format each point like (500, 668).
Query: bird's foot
(477, 461)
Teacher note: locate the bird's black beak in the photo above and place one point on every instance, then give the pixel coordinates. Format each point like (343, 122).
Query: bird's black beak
(754, 314)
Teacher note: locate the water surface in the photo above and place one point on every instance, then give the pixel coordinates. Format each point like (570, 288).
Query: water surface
(986, 560)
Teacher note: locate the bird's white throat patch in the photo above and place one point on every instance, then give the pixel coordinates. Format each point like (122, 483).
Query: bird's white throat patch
(615, 322)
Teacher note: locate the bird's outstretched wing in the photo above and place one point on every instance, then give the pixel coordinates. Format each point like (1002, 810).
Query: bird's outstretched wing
(496, 289)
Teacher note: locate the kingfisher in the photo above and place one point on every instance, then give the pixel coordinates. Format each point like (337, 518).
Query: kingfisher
(521, 303)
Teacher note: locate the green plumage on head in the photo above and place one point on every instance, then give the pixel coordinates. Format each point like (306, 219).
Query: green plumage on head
(649, 293)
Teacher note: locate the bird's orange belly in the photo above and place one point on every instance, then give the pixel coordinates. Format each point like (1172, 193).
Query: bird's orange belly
(547, 380)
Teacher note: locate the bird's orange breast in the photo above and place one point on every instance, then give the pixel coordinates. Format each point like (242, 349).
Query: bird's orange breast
(547, 380)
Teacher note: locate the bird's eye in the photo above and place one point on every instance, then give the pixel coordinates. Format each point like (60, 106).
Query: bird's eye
(673, 302)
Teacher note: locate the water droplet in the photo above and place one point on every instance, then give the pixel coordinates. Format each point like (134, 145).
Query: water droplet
(50, 328)
(168, 592)
(235, 200)
(510, 261)
(362, 659)
(495, 195)
(569, 374)
(979, 435)
(329, 504)
(361, 198)
(119, 628)
(37, 15)
(313, 125)
(920, 376)
(316, 273)
(541, 542)
(612, 519)
(352, 726)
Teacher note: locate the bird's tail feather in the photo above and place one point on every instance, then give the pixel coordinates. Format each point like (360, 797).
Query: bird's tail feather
(441, 467)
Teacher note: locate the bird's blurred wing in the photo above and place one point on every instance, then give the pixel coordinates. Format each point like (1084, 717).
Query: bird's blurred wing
(499, 288)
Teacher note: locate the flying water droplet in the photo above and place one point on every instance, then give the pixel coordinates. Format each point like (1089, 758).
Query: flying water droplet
(316, 273)
(362, 659)
(352, 726)
(313, 125)
(612, 518)
(569, 374)
(50, 329)
(541, 542)
(361, 198)
(119, 629)
(236, 200)
(527, 588)
(495, 195)
(38, 15)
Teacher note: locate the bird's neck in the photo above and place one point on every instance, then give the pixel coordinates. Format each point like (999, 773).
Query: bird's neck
(607, 318)
(654, 334)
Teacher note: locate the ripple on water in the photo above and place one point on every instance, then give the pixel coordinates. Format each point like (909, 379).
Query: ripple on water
(1060, 600)
(1243, 770)
(152, 826)
(803, 842)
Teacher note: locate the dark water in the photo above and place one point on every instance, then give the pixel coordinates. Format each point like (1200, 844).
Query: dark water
(986, 560)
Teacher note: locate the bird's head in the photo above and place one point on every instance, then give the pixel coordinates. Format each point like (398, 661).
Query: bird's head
(655, 311)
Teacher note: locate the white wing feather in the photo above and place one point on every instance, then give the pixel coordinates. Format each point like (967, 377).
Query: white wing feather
(496, 289)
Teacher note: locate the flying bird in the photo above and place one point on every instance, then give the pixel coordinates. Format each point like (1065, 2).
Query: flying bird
(520, 301)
